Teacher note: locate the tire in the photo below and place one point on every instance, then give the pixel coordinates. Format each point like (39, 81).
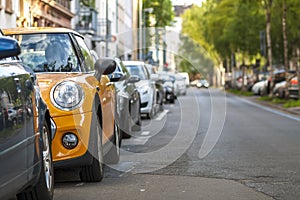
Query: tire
(138, 125)
(113, 155)
(94, 172)
(152, 112)
(44, 188)
(172, 101)
(125, 135)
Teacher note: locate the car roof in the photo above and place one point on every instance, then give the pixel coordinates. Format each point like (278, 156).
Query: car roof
(31, 30)
(131, 62)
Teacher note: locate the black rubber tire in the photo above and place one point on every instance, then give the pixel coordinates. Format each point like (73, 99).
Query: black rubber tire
(125, 135)
(138, 125)
(44, 188)
(113, 155)
(94, 172)
(172, 101)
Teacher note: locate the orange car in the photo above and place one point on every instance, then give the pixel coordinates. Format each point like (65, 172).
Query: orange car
(79, 95)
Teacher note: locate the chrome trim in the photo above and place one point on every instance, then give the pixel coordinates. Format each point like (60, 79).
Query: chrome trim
(63, 108)
(53, 128)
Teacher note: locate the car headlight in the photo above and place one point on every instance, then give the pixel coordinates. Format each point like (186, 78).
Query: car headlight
(67, 95)
(144, 90)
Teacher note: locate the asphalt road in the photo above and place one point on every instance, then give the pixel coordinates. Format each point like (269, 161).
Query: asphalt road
(208, 145)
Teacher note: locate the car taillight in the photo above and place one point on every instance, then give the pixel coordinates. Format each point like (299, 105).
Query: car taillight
(294, 81)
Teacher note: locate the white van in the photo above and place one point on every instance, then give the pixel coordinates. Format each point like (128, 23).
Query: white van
(187, 78)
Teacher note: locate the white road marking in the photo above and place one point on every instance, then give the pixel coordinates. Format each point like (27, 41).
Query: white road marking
(161, 115)
(145, 133)
(136, 140)
(271, 110)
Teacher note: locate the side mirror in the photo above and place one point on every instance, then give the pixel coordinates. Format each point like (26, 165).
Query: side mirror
(104, 66)
(117, 76)
(9, 47)
(133, 79)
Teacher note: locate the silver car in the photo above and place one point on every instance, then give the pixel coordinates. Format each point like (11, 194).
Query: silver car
(146, 87)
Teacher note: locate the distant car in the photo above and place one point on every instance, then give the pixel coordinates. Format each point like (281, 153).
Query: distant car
(279, 89)
(79, 95)
(293, 88)
(194, 83)
(260, 88)
(168, 84)
(160, 92)
(186, 77)
(202, 83)
(145, 86)
(26, 168)
(180, 85)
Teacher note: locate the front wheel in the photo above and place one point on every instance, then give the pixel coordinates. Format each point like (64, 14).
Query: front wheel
(94, 172)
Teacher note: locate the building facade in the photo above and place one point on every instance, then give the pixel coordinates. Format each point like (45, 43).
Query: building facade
(8, 13)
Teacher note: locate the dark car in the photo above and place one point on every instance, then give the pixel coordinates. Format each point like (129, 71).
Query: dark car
(169, 87)
(128, 101)
(26, 131)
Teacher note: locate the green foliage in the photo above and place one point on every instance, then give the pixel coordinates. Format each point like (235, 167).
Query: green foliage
(292, 103)
(88, 3)
(224, 27)
(239, 92)
(193, 58)
(162, 12)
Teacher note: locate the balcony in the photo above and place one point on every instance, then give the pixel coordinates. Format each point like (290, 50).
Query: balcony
(86, 21)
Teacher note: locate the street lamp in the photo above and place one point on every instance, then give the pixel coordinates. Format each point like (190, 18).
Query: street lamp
(144, 42)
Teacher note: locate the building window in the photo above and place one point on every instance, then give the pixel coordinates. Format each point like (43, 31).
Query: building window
(8, 6)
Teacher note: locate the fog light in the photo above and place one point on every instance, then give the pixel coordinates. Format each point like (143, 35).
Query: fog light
(70, 140)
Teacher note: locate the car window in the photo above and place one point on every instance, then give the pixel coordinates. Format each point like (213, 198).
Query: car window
(88, 58)
(137, 70)
(48, 52)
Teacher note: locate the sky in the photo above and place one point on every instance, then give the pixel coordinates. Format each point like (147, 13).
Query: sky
(187, 2)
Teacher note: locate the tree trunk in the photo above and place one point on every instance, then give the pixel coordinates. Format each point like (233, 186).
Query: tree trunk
(269, 45)
(285, 46)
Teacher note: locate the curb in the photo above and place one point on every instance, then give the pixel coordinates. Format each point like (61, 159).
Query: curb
(294, 110)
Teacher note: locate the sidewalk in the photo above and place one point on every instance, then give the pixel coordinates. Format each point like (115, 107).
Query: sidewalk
(293, 110)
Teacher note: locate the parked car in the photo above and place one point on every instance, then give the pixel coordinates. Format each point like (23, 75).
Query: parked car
(146, 87)
(180, 85)
(160, 92)
(168, 84)
(202, 83)
(128, 100)
(279, 89)
(260, 87)
(293, 88)
(79, 95)
(26, 168)
(186, 77)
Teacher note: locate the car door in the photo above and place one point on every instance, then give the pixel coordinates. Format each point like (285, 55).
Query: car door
(17, 135)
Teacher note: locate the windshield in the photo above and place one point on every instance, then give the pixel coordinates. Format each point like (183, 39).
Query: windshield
(48, 52)
(137, 70)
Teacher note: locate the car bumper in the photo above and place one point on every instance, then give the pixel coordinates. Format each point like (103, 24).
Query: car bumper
(146, 103)
(80, 125)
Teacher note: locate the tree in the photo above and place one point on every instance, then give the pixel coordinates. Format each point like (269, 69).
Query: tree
(162, 13)
(193, 58)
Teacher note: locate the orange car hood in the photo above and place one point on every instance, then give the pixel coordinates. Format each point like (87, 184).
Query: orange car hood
(48, 80)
